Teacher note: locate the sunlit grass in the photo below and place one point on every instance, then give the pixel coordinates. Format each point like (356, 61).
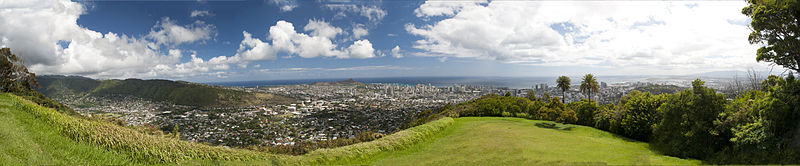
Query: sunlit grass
(27, 140)
(515, 141)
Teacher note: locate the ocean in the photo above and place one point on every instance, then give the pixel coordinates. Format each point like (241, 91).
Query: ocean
(497, 82)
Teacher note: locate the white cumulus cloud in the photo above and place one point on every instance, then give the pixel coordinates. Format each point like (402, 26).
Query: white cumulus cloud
(85, 52)
(373, 13)
(396, 52)
(285, 5)
(361, 49)
(322, 28)
(317, 43)
(200, 13)
(359, 31)
(445, 8)
(167, 32)
(56, 44)
(642, 37)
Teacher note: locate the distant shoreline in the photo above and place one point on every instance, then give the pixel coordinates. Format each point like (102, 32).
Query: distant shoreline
(497, 82)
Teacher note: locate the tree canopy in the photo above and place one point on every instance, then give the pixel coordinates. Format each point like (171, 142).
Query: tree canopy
(14, 76)
(589, 85)
(687, 125)
(776, 27)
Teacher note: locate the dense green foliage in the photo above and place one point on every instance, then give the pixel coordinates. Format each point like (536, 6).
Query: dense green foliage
(178, 92)
(637, 115)
(686, 128)
(764, 124)
(14, 76)
(775, 27)
(508, 106)
(585, 111)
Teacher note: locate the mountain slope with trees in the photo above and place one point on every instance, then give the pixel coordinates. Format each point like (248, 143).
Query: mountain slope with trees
(178, 92)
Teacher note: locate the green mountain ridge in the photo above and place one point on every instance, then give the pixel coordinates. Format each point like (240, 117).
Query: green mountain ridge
(177, 92)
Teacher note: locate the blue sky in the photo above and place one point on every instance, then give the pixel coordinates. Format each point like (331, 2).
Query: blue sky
(209, 41)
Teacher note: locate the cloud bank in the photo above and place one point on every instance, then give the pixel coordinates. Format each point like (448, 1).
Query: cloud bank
(641, 37)
(56, 44)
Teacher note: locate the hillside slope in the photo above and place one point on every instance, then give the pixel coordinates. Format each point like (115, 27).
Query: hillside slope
(39, 135)
(178, 92)
(517, 141)
(28, 140)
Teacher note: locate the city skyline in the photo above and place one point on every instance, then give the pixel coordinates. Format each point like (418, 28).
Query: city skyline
(209, 41)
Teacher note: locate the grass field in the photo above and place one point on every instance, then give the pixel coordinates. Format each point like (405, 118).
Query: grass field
(27, 140)
(515, 141)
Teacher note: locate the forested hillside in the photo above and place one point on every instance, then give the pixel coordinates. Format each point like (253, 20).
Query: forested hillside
(178, 92)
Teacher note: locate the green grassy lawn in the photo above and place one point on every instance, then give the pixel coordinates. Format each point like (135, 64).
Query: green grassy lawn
(27, 140)
(515, 141)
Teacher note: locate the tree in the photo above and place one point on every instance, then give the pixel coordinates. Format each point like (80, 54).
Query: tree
(585, 111)
(765, 119)
(14, 76)
(638, 115)
(776, 27)
(531, 95)
(687, 125)
(563, 84)
(589, 85)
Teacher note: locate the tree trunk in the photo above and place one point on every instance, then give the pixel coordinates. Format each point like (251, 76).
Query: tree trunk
(590, 95)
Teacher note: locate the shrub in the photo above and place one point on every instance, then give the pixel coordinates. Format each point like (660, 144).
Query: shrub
(604, 117)
(638, 115)
(585, 110)
(763, 124)
(507, 114)
(687, 129)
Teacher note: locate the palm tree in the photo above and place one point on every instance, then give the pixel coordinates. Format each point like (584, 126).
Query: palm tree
(589, 85)
(563, 84)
